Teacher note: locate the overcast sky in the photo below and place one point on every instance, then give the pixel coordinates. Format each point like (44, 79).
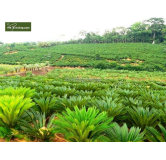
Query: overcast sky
(52, 18)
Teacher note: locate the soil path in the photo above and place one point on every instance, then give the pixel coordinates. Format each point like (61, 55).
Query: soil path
(60, 57)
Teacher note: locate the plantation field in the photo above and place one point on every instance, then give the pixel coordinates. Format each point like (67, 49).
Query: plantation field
(77, 73)
(56, 107)
(126, 56)
(95, 93)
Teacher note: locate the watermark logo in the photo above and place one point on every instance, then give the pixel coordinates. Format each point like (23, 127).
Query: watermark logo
(18, 26)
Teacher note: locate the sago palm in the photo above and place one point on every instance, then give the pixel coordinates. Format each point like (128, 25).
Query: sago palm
(12, 108)
(38, 128)
(45, 104)
(61, 91)
(153, 135)
(26, 92)
(112, 107)
(124, 134)
(142, 117)
(81, 125)
(74, 101)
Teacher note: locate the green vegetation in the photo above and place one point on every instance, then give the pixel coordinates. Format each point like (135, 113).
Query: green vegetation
(119, 56)
(40, 108)
(82, 125)
(115, 93)
(123, 134)
(38, 129)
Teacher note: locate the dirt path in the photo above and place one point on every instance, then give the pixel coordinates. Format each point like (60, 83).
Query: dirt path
(61, 57)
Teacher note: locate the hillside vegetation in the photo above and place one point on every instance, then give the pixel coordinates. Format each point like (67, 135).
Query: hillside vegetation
(128, 56)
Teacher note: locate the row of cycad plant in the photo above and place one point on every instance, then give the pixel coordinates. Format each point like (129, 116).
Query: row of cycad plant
(39, 116)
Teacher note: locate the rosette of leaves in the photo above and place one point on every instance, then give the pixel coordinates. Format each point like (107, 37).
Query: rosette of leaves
(142, 117)
(40, 128)
(124, 134)
(45, 104)
(74, 101)
(112, 107)
(154, 135)
(26, 92)
(83, 125)
(12, 108)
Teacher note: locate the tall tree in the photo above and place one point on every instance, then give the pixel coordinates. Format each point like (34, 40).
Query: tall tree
(156, 25)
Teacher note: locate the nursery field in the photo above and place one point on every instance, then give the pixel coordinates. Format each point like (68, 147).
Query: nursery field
(69, 107)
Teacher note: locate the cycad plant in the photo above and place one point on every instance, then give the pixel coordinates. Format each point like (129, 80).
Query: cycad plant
(128, 93)
(142, 117)
(38, 129)
(112, 107)
(5, 133)
(124, 134)
(12, 108)
(43, 95)
(74, 101)
(163, 116)
(61, 91)
(26, 92)
(10, 133)
(88, 86)
(81, 125)
(153, 99)
(45, 104)
(153, 135)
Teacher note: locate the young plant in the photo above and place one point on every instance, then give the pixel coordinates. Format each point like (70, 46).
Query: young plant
(112, 107)
(142, 117)
(26, 92)
(45, 104)
(5, 133)
(38, 128)
(12, 108)
(74, 101)
(154, 135)
(123, 134)
(61, 91)
(83, 126)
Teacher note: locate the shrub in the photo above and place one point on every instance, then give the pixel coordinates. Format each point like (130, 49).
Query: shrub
(12, 108)
(154, 135)
(45, 104)
(38, 128)
(142, 117)
(101, 65)
(81, 125)
(26, 92)
(123, 134)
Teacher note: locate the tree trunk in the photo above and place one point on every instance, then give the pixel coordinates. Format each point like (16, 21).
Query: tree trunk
(154, 38)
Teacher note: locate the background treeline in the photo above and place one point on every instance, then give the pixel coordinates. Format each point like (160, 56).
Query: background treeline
(152, 30)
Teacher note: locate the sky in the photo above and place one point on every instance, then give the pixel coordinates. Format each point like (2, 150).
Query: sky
(53, 18)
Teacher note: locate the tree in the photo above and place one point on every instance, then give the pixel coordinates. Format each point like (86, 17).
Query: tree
(156, 25)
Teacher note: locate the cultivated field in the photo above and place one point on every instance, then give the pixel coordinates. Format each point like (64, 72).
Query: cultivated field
(83, 93)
